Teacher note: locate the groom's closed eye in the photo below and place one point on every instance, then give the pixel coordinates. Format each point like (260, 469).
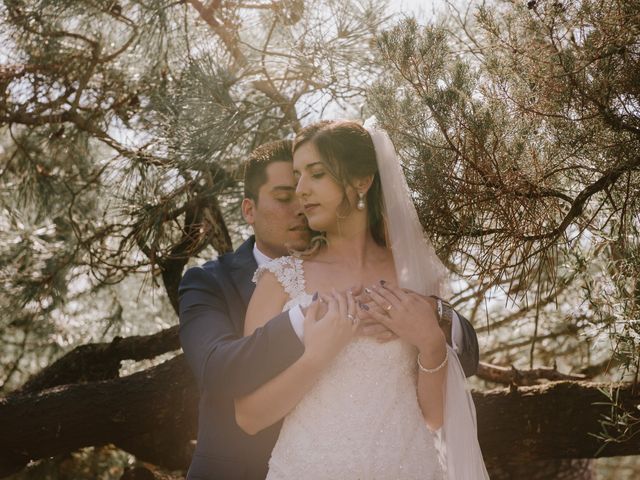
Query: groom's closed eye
(284, 198)
(283, 194)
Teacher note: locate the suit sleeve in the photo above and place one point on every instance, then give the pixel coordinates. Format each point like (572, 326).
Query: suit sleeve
(469, 355)
(223, 361)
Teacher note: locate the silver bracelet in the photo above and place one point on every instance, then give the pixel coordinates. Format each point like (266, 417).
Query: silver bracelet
(434, 370)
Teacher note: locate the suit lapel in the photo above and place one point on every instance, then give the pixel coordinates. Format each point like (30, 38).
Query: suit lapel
(242, 268)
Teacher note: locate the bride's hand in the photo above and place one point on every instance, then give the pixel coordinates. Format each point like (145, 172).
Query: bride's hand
(409, 315)
(369, 326)
(325, 335)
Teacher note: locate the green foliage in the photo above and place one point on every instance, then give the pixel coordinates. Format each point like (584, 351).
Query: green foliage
(617, 426)
(524, 143)
(123, 126)
(520, 131)
(122, 129)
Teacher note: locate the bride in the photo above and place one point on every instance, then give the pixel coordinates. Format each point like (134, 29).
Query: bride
(354, 408)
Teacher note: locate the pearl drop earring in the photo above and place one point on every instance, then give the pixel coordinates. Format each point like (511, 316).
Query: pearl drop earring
(360, 204)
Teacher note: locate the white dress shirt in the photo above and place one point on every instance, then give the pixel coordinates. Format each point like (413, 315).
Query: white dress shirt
(297, 318)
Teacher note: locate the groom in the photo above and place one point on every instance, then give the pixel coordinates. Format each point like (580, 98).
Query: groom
(213, 302)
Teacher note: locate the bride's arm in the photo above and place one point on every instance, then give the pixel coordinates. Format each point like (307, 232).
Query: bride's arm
(431, 383)
(323, 339)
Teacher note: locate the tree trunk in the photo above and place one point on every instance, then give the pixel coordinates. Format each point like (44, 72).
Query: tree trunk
(151, 414)
(552, 421)
(101, 361)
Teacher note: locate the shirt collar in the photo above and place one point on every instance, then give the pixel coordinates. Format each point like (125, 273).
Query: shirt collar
(260, 257)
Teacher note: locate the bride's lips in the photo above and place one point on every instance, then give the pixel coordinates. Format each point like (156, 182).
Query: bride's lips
(310, 206)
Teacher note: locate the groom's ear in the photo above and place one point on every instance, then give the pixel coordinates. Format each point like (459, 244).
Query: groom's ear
(248, 210)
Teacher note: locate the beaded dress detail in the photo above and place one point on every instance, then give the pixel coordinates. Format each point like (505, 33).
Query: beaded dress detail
(361, 420)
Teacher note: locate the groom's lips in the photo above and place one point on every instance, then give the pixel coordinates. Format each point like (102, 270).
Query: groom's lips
(299, 228)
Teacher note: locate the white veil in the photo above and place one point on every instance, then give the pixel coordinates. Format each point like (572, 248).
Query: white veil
(419, 269)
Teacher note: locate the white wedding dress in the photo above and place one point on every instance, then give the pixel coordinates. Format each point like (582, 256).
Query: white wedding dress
(361, 420)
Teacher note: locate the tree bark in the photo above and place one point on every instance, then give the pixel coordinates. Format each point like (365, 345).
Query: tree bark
(555, 421)
(152, 414)
(101, 361)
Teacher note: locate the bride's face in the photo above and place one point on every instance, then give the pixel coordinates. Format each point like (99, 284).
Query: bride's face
(321, 196)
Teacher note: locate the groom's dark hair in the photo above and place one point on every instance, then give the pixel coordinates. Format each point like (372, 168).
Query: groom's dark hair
(255, 167)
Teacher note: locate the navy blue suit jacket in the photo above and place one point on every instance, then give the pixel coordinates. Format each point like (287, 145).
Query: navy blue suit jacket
(213, 304)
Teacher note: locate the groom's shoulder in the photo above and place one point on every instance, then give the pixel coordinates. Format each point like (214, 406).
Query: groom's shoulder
(208, 278)
(211, 268)
(219, 268)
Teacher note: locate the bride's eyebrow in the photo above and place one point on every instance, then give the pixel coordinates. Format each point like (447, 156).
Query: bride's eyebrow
(307, 167)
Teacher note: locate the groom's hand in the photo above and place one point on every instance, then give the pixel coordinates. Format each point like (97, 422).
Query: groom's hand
(377, 330)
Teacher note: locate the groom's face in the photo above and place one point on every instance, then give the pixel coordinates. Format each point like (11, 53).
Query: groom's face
(277, 216)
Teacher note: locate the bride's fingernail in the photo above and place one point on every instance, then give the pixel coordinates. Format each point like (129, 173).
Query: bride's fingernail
(364, 306)
(315, 297)
(382, 282)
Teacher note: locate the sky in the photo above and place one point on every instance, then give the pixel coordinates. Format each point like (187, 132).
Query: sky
(420, 8)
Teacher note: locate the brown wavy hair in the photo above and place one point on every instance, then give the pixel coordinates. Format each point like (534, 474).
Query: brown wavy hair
(347, 152)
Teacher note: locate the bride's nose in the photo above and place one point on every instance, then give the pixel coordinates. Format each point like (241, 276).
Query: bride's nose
(301, 187)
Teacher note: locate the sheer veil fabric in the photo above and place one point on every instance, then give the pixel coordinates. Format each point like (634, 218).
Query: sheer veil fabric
(419, 269)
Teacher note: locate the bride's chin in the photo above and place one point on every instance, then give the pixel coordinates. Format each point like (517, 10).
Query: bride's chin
(317, 224)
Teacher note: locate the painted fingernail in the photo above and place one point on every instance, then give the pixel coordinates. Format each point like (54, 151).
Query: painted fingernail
(365, 306)
(315, 297)
(367, 290)
(382, 282)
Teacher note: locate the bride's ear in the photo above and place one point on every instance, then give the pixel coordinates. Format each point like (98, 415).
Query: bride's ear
(363, 184)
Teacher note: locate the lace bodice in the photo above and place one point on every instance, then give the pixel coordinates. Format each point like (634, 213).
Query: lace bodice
(290, 274)
(361, 420)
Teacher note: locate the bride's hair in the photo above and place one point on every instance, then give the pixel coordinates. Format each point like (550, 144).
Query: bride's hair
(347, 152)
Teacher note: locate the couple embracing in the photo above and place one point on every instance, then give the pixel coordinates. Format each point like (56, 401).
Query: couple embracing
(337, 363)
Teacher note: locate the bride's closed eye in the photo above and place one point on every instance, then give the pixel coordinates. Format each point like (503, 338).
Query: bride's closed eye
(317, 170)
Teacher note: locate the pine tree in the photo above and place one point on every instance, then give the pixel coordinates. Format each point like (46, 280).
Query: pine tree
(123, 127)
(520, 130)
